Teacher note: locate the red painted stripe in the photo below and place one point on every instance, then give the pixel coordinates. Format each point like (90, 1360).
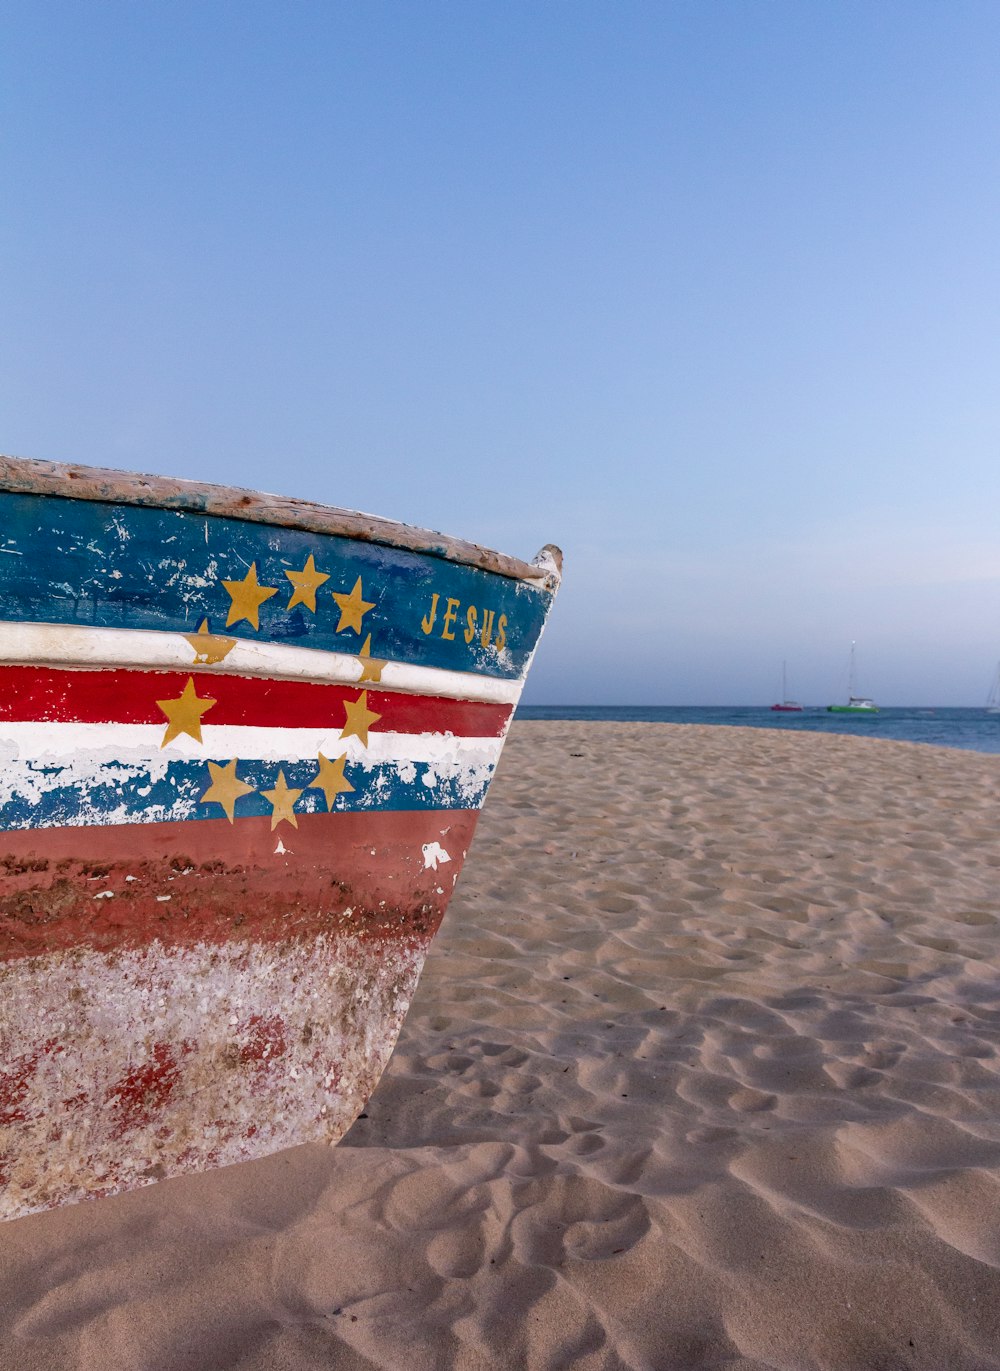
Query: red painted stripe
(63, 695)
(226, 883)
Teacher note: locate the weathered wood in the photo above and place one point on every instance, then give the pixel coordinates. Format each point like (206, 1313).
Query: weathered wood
(243, 745)
(31, 476)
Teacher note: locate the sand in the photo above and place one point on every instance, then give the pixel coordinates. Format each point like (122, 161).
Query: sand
(702, 1072)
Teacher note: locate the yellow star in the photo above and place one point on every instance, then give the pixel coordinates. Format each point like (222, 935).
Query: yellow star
(371, 667)
(353, 608)
(306, 583)
(359, 718)
(209, 647)
(330, 779)
(184, 713)
(282, 799)
(247, 597)
(226, 788)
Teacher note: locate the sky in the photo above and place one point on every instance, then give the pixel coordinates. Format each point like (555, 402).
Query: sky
(706, 292)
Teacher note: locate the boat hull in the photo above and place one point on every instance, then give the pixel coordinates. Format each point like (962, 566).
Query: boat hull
(233, 809)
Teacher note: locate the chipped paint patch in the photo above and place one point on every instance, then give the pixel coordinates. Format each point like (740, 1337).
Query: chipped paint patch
(434, 855)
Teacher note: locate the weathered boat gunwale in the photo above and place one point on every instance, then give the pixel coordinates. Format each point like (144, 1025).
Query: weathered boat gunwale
(29, 476)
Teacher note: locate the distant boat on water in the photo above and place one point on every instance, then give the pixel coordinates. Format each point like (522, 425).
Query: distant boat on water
(993, 698)
(786, 705)
(856, 704)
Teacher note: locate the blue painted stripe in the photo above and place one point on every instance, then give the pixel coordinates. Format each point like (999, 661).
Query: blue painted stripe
(135, 793)
(112, 566)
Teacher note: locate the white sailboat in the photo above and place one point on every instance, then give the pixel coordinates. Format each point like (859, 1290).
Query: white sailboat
(856, 704)
(993, 698)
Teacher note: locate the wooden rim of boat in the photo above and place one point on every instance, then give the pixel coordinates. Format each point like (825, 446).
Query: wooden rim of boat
(29, 476)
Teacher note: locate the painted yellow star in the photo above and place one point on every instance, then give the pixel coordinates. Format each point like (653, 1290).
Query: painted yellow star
(330, 779)
(226, 788)
(353, 608)
(359, 718)
(184, 713)
(247, 597)
(282, 798)
(371, 667)
(209, 647)
(306, 583)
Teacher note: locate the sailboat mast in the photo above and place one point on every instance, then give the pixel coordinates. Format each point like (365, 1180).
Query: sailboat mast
(993, 699)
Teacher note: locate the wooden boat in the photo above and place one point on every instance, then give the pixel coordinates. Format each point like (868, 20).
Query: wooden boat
(244, 742)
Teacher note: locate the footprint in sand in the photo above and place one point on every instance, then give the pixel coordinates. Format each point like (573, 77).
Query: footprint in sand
(486, 1090)
(453, 1061)
(491, 1049)
(882, 1056)
(710, 1135)
(579, 1125)
(586, 1144)
(578, 1218)
(517, 1084)
(847, 1076)
(750, 1101)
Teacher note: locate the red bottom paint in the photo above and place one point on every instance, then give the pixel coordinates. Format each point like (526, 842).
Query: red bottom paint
(180, 996)
(212, 882)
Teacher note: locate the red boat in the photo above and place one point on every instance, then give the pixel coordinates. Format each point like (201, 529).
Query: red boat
(786, 706)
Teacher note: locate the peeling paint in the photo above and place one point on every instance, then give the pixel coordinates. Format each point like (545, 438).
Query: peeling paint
(434, 855)
(191, 1093)
(255, 782)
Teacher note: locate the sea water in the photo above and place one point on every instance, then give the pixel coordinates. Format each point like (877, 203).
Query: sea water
(970, 729)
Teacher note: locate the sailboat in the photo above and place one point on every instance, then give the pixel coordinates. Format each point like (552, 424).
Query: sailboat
(856, 704)
(993, 698)
(786, 705)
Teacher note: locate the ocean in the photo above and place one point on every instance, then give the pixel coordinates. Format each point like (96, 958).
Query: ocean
(972, 730)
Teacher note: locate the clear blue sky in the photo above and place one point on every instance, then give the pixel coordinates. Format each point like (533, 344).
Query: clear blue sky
(707, 293)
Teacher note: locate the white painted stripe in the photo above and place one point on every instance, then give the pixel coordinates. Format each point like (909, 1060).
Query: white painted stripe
(462, 780)
(41, 743)
(76, 645)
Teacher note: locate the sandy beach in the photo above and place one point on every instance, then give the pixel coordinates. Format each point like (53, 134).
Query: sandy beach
(702, 1073)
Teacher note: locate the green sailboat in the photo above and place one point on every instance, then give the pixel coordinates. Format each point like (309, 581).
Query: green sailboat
(856, 704)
